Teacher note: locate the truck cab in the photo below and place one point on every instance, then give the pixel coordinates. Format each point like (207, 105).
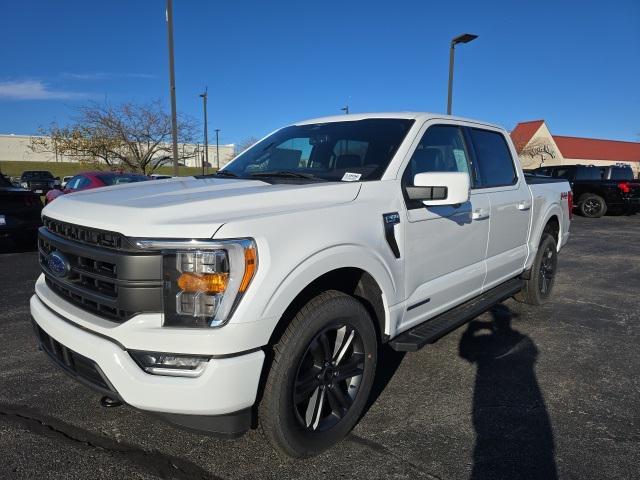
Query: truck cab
(263, 293)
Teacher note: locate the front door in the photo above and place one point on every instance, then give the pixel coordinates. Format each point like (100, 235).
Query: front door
(445, 245)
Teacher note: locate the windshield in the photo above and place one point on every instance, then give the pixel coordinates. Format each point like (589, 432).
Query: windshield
(349, 151)
(36, 174)
(118, 179)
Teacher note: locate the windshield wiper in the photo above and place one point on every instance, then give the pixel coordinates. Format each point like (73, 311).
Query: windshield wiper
(284, 174)
(225, 173)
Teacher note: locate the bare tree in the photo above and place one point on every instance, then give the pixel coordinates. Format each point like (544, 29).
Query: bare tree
(243, 145)
(132, 136)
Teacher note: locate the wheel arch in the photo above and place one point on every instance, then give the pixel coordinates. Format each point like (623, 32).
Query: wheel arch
(550, 222)
(362, 276)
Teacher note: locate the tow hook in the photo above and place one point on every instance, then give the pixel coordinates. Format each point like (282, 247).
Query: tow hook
(108, 402)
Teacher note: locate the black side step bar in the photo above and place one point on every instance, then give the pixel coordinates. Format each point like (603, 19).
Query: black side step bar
(434, 329)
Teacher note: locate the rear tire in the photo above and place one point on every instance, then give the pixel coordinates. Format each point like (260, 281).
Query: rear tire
(592, 205)
(321, 376)
(537, 288)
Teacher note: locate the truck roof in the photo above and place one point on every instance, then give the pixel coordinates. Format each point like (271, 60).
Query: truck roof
(403, 115)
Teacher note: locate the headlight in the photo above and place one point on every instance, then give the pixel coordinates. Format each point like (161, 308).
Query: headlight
(24, 185)
(203, 281)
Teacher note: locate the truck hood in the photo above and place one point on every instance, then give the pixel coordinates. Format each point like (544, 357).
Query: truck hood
(187, 207)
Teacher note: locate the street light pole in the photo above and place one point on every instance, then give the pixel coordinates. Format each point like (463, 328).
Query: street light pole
(206, 136)
(464, 38)
(217, 148)
(172, 87)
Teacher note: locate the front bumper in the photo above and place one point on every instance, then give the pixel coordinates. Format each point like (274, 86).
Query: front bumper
(227, 385)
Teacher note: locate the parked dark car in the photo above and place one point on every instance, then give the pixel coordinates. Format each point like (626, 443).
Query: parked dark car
(598, 190)
(19, 211)
(88, 180)
(38, 181)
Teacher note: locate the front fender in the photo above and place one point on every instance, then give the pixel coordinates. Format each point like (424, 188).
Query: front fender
(325, 261)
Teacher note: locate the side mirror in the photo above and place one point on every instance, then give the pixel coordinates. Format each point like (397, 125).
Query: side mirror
(440, 188)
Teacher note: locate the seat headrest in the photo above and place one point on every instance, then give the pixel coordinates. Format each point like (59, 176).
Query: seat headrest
(348, 160)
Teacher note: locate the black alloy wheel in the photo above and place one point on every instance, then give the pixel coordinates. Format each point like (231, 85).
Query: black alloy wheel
(320, 377)
(329, 377)
(548, 263)
(541, 278)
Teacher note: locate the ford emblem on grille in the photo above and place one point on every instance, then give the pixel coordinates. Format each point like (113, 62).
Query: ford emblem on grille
(58, 264)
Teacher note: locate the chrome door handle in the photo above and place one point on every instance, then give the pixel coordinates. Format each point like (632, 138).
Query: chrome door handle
(480, 214)
(524, 206)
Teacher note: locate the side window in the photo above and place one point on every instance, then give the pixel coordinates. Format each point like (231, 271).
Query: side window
(73, 183)
(441, 149)
(83, 183)
(494, 161)
(588, 173)
(562, 173)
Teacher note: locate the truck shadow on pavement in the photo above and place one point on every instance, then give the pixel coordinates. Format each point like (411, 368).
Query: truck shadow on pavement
(514, 437)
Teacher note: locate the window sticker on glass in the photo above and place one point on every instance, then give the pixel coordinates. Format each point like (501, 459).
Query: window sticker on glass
(351, 177)
(461, 160)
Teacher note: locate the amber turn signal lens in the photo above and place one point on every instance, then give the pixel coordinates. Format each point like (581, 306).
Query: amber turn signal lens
(250, 264)
(207, 283)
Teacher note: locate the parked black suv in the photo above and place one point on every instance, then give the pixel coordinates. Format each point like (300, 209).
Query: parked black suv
(19, 211)
(599, 190)
(38, 181)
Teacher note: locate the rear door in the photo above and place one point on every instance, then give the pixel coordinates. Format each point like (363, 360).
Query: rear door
(510, 204)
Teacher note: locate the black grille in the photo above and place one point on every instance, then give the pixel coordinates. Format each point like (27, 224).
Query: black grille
(92, 306)
(76, 365)
(110, 284)
(86, 235)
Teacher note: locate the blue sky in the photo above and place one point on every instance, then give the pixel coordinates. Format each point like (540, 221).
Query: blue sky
(574, 63)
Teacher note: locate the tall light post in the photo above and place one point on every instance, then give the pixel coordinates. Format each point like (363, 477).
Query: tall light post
(217, 148)
(206, 136)
(172, 87)
(464, 38)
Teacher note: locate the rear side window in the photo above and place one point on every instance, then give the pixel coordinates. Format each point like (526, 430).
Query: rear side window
(621, 173)
(494, 161)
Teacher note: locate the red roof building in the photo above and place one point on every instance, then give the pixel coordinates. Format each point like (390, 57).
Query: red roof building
(536, 147)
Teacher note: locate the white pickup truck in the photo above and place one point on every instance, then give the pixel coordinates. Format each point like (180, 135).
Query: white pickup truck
(261, 295)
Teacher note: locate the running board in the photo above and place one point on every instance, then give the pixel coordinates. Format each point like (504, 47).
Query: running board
(434, 329)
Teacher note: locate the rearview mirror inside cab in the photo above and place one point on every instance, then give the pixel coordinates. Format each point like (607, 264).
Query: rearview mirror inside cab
(440, 188)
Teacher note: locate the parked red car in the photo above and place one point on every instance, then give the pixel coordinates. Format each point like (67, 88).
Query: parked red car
(85, 181)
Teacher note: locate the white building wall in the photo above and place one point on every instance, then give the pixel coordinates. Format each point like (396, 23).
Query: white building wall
(17, 148)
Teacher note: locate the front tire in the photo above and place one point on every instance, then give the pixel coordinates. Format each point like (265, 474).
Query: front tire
(321, 376)
(537, 289)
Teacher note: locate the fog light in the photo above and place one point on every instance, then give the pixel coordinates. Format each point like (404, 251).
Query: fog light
(158, 363)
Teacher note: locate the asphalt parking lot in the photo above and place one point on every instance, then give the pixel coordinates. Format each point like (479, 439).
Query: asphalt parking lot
(521, 392)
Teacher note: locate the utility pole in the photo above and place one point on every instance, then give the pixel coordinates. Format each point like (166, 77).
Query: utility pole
(345, 109)
(217, 148)
(172, 87)
(464, 38)
(206, 138)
